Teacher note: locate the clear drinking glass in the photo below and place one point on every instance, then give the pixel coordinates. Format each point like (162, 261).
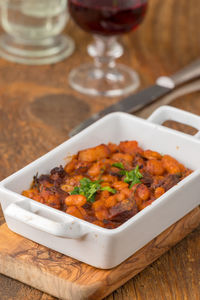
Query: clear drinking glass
(106, 19)
(32, 31)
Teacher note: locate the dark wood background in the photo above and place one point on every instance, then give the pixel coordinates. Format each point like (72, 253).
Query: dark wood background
(38, 108)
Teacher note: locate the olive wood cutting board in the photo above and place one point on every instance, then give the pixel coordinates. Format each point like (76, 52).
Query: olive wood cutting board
(69, 279)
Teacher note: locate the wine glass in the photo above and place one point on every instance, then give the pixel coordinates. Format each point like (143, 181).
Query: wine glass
(32, 31)
(106, 19)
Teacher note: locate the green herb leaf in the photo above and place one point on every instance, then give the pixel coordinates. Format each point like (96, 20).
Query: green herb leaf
(135, 181)
(109, 189)
(76, 191)
(118, 165)
(137, 172)
(87, 188)
(133, 176)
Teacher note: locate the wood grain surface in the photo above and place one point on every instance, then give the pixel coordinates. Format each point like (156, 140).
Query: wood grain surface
(69, 279)
(38, 108)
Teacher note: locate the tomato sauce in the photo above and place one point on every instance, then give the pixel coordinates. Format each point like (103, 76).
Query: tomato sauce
(108, 184)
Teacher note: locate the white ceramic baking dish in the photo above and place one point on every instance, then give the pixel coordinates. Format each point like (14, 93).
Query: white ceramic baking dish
(99, 247)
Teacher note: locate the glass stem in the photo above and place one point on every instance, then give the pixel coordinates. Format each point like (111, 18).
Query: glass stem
(105, 50)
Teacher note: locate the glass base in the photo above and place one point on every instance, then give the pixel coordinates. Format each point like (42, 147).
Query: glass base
(91, 80)
(47, 51)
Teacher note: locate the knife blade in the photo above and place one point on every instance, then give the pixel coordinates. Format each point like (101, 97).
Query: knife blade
(132, 103)
(129, 104)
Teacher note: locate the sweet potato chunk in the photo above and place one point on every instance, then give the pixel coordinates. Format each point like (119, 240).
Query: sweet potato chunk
(128, 147)
(71, 165)
(112, 147)
(120, 185)
(94, 154)
(95, 169)
(110, 201)
(143, 192)
(122, 157)
(171, 164)
(155, 167)
(101, 214)
(148, 154)
(77, 200)
(74, 211)
(159, 191)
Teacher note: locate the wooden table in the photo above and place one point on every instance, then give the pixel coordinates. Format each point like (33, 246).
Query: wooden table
(38, 108)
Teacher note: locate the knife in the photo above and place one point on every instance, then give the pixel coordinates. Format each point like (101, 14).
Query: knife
(132, 103)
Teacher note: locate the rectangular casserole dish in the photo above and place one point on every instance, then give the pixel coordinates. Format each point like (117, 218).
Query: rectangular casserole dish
(96, 246)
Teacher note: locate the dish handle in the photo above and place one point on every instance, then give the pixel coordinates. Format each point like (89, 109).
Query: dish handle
(165, 113)
(20, 212)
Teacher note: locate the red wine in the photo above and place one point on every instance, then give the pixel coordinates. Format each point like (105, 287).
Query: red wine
(108, 17)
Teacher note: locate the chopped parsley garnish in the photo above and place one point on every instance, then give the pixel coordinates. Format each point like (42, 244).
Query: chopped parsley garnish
(132, 177)
(76, 191)
(89, 188)
(118, 165)
(109, 189)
